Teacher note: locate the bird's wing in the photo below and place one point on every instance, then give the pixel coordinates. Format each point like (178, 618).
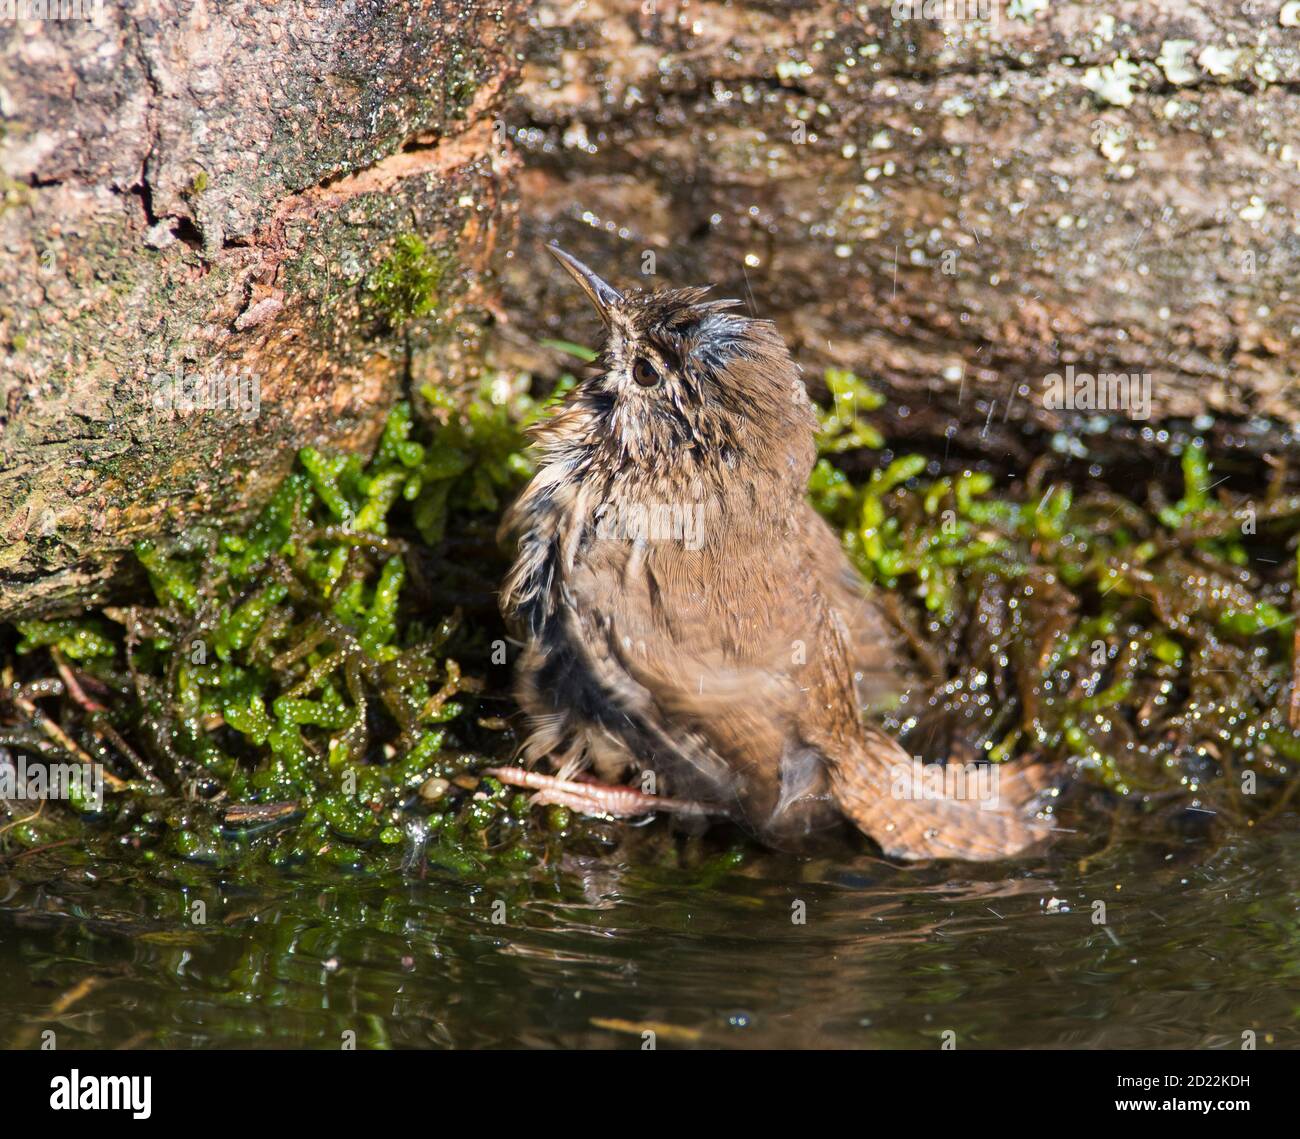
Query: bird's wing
(880, 671)
(716, 644)
(664, 630)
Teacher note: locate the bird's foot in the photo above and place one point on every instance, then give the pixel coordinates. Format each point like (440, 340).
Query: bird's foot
(591, 797)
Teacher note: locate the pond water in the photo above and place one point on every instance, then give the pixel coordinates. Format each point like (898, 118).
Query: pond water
(1200, 944)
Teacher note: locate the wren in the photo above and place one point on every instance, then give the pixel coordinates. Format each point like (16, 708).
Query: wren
(685, 614)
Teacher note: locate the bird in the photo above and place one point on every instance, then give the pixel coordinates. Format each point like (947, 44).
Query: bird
(687, 619)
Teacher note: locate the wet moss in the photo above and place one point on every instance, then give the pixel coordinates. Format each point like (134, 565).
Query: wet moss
(13, 193)
(405, 285)
(286, 688)
(1149, 645)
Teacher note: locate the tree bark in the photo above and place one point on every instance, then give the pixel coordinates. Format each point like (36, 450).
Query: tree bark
(292, 197)
(956, 210)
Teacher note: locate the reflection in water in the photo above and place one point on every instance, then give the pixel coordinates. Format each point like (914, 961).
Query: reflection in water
(1198, 946)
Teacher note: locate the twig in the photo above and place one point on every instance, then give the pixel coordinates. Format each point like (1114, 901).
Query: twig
(81, 989)
(60, 737)
(73, 686)
(238, 814)
(99, 724)
(41, 849)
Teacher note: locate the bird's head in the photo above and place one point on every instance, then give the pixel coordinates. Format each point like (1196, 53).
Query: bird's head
(685, 386)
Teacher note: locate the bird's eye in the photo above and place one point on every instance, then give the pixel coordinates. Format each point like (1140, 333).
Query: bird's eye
(644, 373)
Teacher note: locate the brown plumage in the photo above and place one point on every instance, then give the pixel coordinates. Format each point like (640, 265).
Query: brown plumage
(685, 612)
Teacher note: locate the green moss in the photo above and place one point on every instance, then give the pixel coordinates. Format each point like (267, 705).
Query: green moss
(77, 639)
(405, 285)
(1148, 644)
(476, 457)
(844, 425)
(13, 193)
(285, 679)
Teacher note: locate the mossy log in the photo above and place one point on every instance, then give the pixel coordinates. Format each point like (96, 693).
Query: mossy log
(956, 209)
(285, 199)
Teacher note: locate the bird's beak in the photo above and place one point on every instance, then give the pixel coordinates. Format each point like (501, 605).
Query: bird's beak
(603, 296)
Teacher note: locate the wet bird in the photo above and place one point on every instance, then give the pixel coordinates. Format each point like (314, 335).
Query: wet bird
(688, 619)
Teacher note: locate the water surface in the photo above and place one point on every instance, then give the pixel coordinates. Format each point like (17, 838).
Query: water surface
(1200, 943)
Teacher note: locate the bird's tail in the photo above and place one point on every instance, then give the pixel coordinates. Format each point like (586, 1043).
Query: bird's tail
(979, 813)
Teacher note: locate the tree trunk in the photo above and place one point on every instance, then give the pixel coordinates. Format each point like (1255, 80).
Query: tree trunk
(959, 211)
(267, 206)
